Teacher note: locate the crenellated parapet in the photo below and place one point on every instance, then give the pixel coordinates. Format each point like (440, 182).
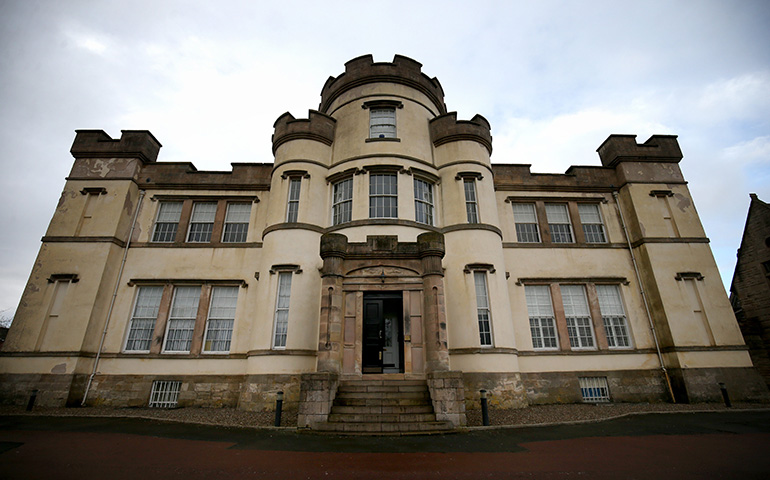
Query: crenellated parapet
(363, 70)
(139, 144)
(318, 126)
(446, 128)
(623, 148)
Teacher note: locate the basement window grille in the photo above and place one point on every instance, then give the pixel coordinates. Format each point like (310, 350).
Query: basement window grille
(594, 389)
(164, 393)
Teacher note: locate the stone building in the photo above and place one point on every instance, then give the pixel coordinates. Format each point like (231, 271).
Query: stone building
(380, 261)
(750, 289)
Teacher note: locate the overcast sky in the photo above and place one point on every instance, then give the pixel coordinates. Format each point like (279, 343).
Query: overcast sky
(554, 79)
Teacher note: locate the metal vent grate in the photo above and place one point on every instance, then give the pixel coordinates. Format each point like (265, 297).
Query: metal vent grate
(164, 393)
(594, 389)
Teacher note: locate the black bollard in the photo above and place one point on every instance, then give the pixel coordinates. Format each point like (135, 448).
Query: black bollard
(725, 395)
(31, 402)
(484, 409)
(278, 408)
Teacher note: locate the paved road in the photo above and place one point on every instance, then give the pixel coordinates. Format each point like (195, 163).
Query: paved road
(660, 446)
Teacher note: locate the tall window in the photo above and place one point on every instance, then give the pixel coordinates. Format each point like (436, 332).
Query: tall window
(236, 222)
(219, 326)
(591, 220)
(383, 195)
(382, 123)
(578, 316)
(167, 221)
(482, 309)
(181, 320)
(342, 201)
(526, 223)
(142, 321)
(558, 222)
(202, 222)
(471, 205)
(423, 201)
(282, 310)
(541, 319)
(613, 316)
(292, 209)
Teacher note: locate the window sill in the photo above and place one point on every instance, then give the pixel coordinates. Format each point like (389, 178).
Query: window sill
(383, 139)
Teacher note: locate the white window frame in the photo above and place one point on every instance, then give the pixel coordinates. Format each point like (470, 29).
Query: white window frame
(382, 122)
(172, 318)
(228, 221)
(578, 320)
(212, 318)
(159, 216)
(471, 204)
(541, 312)
(282, 308)
(590, 223)
(614, 317)
(342, 206)
(594, 389)
(423, 204)
(165, 393)
(205, 233)
(134, 318)
(520, 233)
(483, 308)
(389, 198)
(292, 203)
(552, 222)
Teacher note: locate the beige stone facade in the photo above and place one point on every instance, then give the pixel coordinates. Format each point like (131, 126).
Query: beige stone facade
(381, 242)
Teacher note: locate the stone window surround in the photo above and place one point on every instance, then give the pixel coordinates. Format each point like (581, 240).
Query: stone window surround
(574, 217)
(597, 322)
(164, 310)
(384, 104)
(184, 219)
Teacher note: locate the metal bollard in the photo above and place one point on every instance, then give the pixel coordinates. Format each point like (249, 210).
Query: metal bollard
(484, 409)
(31, 402)
(278, 408)
(725, 395)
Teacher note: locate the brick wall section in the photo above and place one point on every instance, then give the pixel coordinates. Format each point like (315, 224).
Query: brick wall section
(751, 286)
(447, 393)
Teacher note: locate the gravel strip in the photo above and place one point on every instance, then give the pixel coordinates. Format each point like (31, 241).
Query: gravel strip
(533, 415)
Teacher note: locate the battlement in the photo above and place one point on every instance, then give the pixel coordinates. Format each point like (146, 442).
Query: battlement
(363, 70)
(318, 126)
(623, 148)
(139, 144)
(446, 128)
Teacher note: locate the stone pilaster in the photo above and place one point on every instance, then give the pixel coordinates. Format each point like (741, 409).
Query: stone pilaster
(448, 396)
(431, 248)
(316, 396)
(330, 342)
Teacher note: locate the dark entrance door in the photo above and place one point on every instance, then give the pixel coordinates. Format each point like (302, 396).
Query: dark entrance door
(382, 333)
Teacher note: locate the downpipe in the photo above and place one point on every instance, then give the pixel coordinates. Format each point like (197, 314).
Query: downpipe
(644, 298)
(112, 300)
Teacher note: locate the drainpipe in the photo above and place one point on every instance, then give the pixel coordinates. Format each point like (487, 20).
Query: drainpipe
(644, 297)
(112, 301)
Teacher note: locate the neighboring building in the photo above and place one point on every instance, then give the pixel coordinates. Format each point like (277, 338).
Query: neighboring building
(380, 244)
(750, 289)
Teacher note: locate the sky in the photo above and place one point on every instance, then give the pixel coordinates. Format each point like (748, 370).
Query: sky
(554, 78)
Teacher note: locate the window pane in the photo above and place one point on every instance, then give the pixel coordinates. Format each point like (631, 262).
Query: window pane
(482, 308)
(143, 320)
(556, 213)
(292, 211)
(236, 222)
(524, 213)
(383, 198)
(202, 222)
(592, 223)
(167, 221)
(238, 213)
(181, 321)
(423, 201)
(541, 321)
(219, 328)
(578, 316)
(282, 309)
(382, 123)
(589, 213)
(471, 207)
(613, 315)
(342, 201)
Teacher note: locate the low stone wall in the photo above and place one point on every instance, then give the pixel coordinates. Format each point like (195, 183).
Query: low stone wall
(625, 386)
(742, 384)
(447, 393)
(505, 390)
(52, 389)
(316, 397)
(259, 392)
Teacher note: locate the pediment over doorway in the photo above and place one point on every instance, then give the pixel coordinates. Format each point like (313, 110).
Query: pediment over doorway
(380, 270)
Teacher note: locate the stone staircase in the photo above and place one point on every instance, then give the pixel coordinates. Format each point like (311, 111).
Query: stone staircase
(383, 407)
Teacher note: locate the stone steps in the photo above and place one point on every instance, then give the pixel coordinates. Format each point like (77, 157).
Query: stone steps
(381, 406)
